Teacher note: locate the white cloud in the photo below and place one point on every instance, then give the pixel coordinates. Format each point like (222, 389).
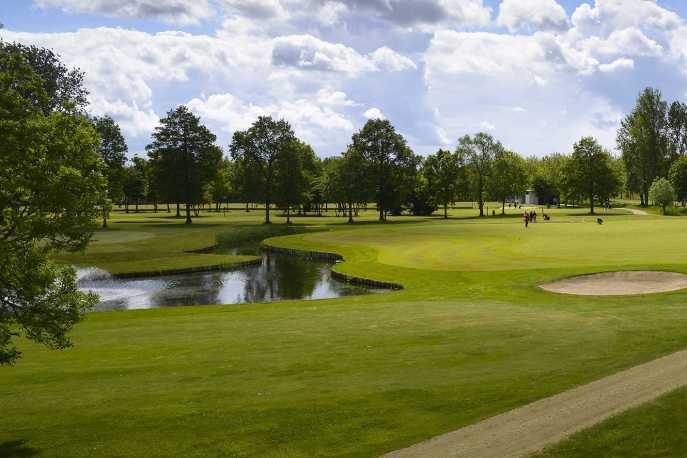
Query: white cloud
(183, 12)
(486, 125)
(374, 113)
(532, 14)
(609, 15)
(388, 59)
(616, 65)
(260, 9)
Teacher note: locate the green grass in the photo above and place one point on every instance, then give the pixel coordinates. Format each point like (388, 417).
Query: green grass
(658, 428)
(470, 336)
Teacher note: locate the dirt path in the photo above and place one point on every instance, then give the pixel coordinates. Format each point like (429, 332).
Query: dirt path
(528, 429)
(634, 211)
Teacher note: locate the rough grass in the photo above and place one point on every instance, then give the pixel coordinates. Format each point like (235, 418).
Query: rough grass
(658, 428)
(470, 336)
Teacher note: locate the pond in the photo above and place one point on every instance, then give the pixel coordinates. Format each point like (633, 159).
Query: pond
(278, 276)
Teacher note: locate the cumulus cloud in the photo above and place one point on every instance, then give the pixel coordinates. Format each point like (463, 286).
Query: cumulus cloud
(532, 14)
(307, 52)
(183, 12)
(616, 65)
(374, 113)
(608, 15)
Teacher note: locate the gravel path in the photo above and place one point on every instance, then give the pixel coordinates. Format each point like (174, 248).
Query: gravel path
(529, 429)
(634, 211)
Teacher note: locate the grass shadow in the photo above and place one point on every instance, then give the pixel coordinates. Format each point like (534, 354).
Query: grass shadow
(16, 449)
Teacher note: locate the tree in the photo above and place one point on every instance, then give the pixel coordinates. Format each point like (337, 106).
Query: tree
(62, 86)
(184, 157)
(677, 130)
(643, 141)
(508, 177)
(51, 192)
(255, 152)
(113, 151)
(220, 187)
(662, 193)
(348, 180)
(290, 179)
(590, 172)
(678, 178)
(390, 165)
(135, 183)
(443, 171)
(479, 152)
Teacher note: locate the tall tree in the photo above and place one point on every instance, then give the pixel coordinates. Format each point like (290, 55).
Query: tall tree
(390, 165)
(677, 130)
(643, 141)
(348, 180)
(63, 87)
(113, 151)
(51, 192)
(220, 187)
(443, 171)
(184, 156)
(678, 178)
(255, 152)
(508, 177)
(590, 172)
(290, 181)
(480, 152)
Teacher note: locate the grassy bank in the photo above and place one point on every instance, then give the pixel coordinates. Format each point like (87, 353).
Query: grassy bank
(470, 336)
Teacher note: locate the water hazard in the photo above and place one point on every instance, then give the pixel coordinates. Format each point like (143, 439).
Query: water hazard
(277, 277)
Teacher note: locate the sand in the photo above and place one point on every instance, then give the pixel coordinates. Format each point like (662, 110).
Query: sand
(619, 283)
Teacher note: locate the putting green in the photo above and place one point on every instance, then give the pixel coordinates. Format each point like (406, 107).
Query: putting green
(507, 245)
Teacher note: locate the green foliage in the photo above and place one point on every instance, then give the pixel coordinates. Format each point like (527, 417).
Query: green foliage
(183, 157)
(248, 235)
(389, 165)
(291, 181)
(590, 173)
(508, 177)
(678, 177)
(255, 152)
(51, 190)
(662, 193)
(113, 151)
(444, 173)
(643, 141)
(480, 152)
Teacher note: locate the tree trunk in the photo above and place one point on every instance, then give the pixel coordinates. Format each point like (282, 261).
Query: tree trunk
(591, 204)
(381, 213)
(445, 210)
(188, 214)
(169, 210)
(503, 208)
(126, 205)
(267, 211)
(104, 218)
(350, 212)
(155, 205)
(178, 210)
(136, 205)
(481, 206)
(288, 214)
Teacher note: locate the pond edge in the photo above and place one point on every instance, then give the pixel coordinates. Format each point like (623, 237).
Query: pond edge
(332, 257)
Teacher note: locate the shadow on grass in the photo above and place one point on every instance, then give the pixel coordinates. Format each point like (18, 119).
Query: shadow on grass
(16, 449)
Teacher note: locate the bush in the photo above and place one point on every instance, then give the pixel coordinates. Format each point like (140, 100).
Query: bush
(662, 193)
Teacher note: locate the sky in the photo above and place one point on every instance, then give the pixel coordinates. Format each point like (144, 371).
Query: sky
(536, 74)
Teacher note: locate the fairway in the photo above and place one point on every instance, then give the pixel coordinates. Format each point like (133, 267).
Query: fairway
(470, 336)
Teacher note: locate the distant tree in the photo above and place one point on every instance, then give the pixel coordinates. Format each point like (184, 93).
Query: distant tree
(220, 187)
(348, 180)
(422, 200)
(134, 186)
(390, 165)
(184, 157)
(552, 167)
(255, 152)
(643, 141)
(51, 192)
(662, 193)
(677, 130)
(113, 151)
(290, 180)
(508, 177)
(590, 172)
(480, 152)
(678, 178)
(443, 171)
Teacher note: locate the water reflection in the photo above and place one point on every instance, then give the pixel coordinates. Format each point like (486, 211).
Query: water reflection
(276, 277)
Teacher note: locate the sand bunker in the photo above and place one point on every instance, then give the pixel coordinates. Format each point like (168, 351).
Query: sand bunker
(619, 283)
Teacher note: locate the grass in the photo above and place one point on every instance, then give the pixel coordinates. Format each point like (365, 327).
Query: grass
(470, 336)
(657, 428)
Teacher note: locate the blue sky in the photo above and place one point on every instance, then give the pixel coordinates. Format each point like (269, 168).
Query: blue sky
(536, 74)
